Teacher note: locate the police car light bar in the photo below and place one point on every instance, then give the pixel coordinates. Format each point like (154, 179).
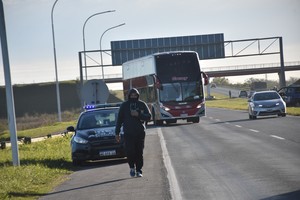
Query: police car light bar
(107, 105)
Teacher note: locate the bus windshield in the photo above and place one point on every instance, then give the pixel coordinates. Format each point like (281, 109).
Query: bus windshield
(184, 91)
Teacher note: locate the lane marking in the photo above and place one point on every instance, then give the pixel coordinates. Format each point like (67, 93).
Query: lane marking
(253, 130)
(174, 186)
(277, 137)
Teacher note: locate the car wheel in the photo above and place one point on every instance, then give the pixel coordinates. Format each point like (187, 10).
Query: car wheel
(250, 116)
(76, 162)
(282, 115)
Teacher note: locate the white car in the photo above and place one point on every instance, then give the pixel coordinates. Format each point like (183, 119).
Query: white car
(266, 103)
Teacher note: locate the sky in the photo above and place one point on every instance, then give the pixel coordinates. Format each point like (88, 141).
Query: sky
(30, 44)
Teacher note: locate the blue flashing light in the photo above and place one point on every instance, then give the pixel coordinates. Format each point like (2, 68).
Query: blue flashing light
(89, 107)
(107, 105)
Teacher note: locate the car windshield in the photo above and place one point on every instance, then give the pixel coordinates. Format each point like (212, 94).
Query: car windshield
(98, 119)
(266, 96)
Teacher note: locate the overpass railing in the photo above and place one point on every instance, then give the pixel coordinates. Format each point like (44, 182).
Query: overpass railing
(210, 69)
(249, 66)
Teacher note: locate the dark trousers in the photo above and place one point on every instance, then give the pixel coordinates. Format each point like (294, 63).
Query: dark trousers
(134, 145)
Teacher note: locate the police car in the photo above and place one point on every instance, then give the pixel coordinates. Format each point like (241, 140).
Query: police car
(94, 134)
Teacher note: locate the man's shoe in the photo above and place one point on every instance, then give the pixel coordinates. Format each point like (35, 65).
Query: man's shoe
(139, 174)
(132, 172)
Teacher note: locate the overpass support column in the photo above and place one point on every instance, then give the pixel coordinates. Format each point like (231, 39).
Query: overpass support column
(208, 89)
(282, 70)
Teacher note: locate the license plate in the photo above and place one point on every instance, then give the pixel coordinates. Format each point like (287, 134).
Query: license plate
(183, 115)
(108, 153)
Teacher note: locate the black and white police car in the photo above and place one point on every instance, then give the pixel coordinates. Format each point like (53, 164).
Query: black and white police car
(94, 134)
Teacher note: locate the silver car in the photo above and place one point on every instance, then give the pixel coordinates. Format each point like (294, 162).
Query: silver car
(266, 103)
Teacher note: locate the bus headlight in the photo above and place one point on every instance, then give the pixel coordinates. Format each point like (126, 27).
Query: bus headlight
(165, 108)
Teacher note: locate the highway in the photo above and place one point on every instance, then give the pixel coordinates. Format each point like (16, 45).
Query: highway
(225, 156)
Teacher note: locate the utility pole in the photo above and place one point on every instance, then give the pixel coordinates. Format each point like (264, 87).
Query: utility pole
(9, 90)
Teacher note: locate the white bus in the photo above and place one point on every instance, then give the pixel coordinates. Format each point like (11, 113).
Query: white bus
(171, 83)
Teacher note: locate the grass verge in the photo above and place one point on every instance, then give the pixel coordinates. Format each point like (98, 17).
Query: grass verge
(55, 128)
(43, 166)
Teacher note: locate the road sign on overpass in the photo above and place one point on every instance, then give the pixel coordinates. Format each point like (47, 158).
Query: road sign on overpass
(207, 46)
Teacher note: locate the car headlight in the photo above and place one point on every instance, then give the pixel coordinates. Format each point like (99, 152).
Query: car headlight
(80, 140)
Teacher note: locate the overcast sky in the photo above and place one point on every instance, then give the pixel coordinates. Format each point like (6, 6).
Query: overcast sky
(28, 26)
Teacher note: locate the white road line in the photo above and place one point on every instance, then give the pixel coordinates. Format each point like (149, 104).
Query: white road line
(256, 131)
(218, 120)
(238, 126)
(277, 137)
(174, 186)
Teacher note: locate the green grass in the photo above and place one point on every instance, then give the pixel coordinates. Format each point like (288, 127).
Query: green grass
(55, 128)
(225, 102)
(43, 166)
(222, 101)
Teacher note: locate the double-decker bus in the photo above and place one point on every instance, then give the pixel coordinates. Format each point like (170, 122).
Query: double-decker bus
(171, 83)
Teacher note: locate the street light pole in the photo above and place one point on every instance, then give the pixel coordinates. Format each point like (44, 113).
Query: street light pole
(101, 46)
(83, 36)
(9, 90)
(55, 63)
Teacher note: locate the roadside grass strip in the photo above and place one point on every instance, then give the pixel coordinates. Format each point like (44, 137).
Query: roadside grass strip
(43, 165)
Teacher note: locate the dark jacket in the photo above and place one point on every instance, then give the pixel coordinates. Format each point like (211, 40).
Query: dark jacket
(132, 125)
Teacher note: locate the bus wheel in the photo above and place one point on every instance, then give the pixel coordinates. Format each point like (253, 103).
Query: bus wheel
(156, 122)
(194, 120)
(159, 122)
(170, 121)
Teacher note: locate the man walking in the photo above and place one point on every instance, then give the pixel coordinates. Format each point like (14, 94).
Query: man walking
(132, 115)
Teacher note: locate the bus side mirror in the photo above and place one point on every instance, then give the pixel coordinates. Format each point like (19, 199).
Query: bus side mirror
(205, 77)
(157, 83)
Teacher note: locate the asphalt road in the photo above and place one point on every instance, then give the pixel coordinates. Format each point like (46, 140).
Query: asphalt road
(228, 156)
(225, 156)
(110, 179)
